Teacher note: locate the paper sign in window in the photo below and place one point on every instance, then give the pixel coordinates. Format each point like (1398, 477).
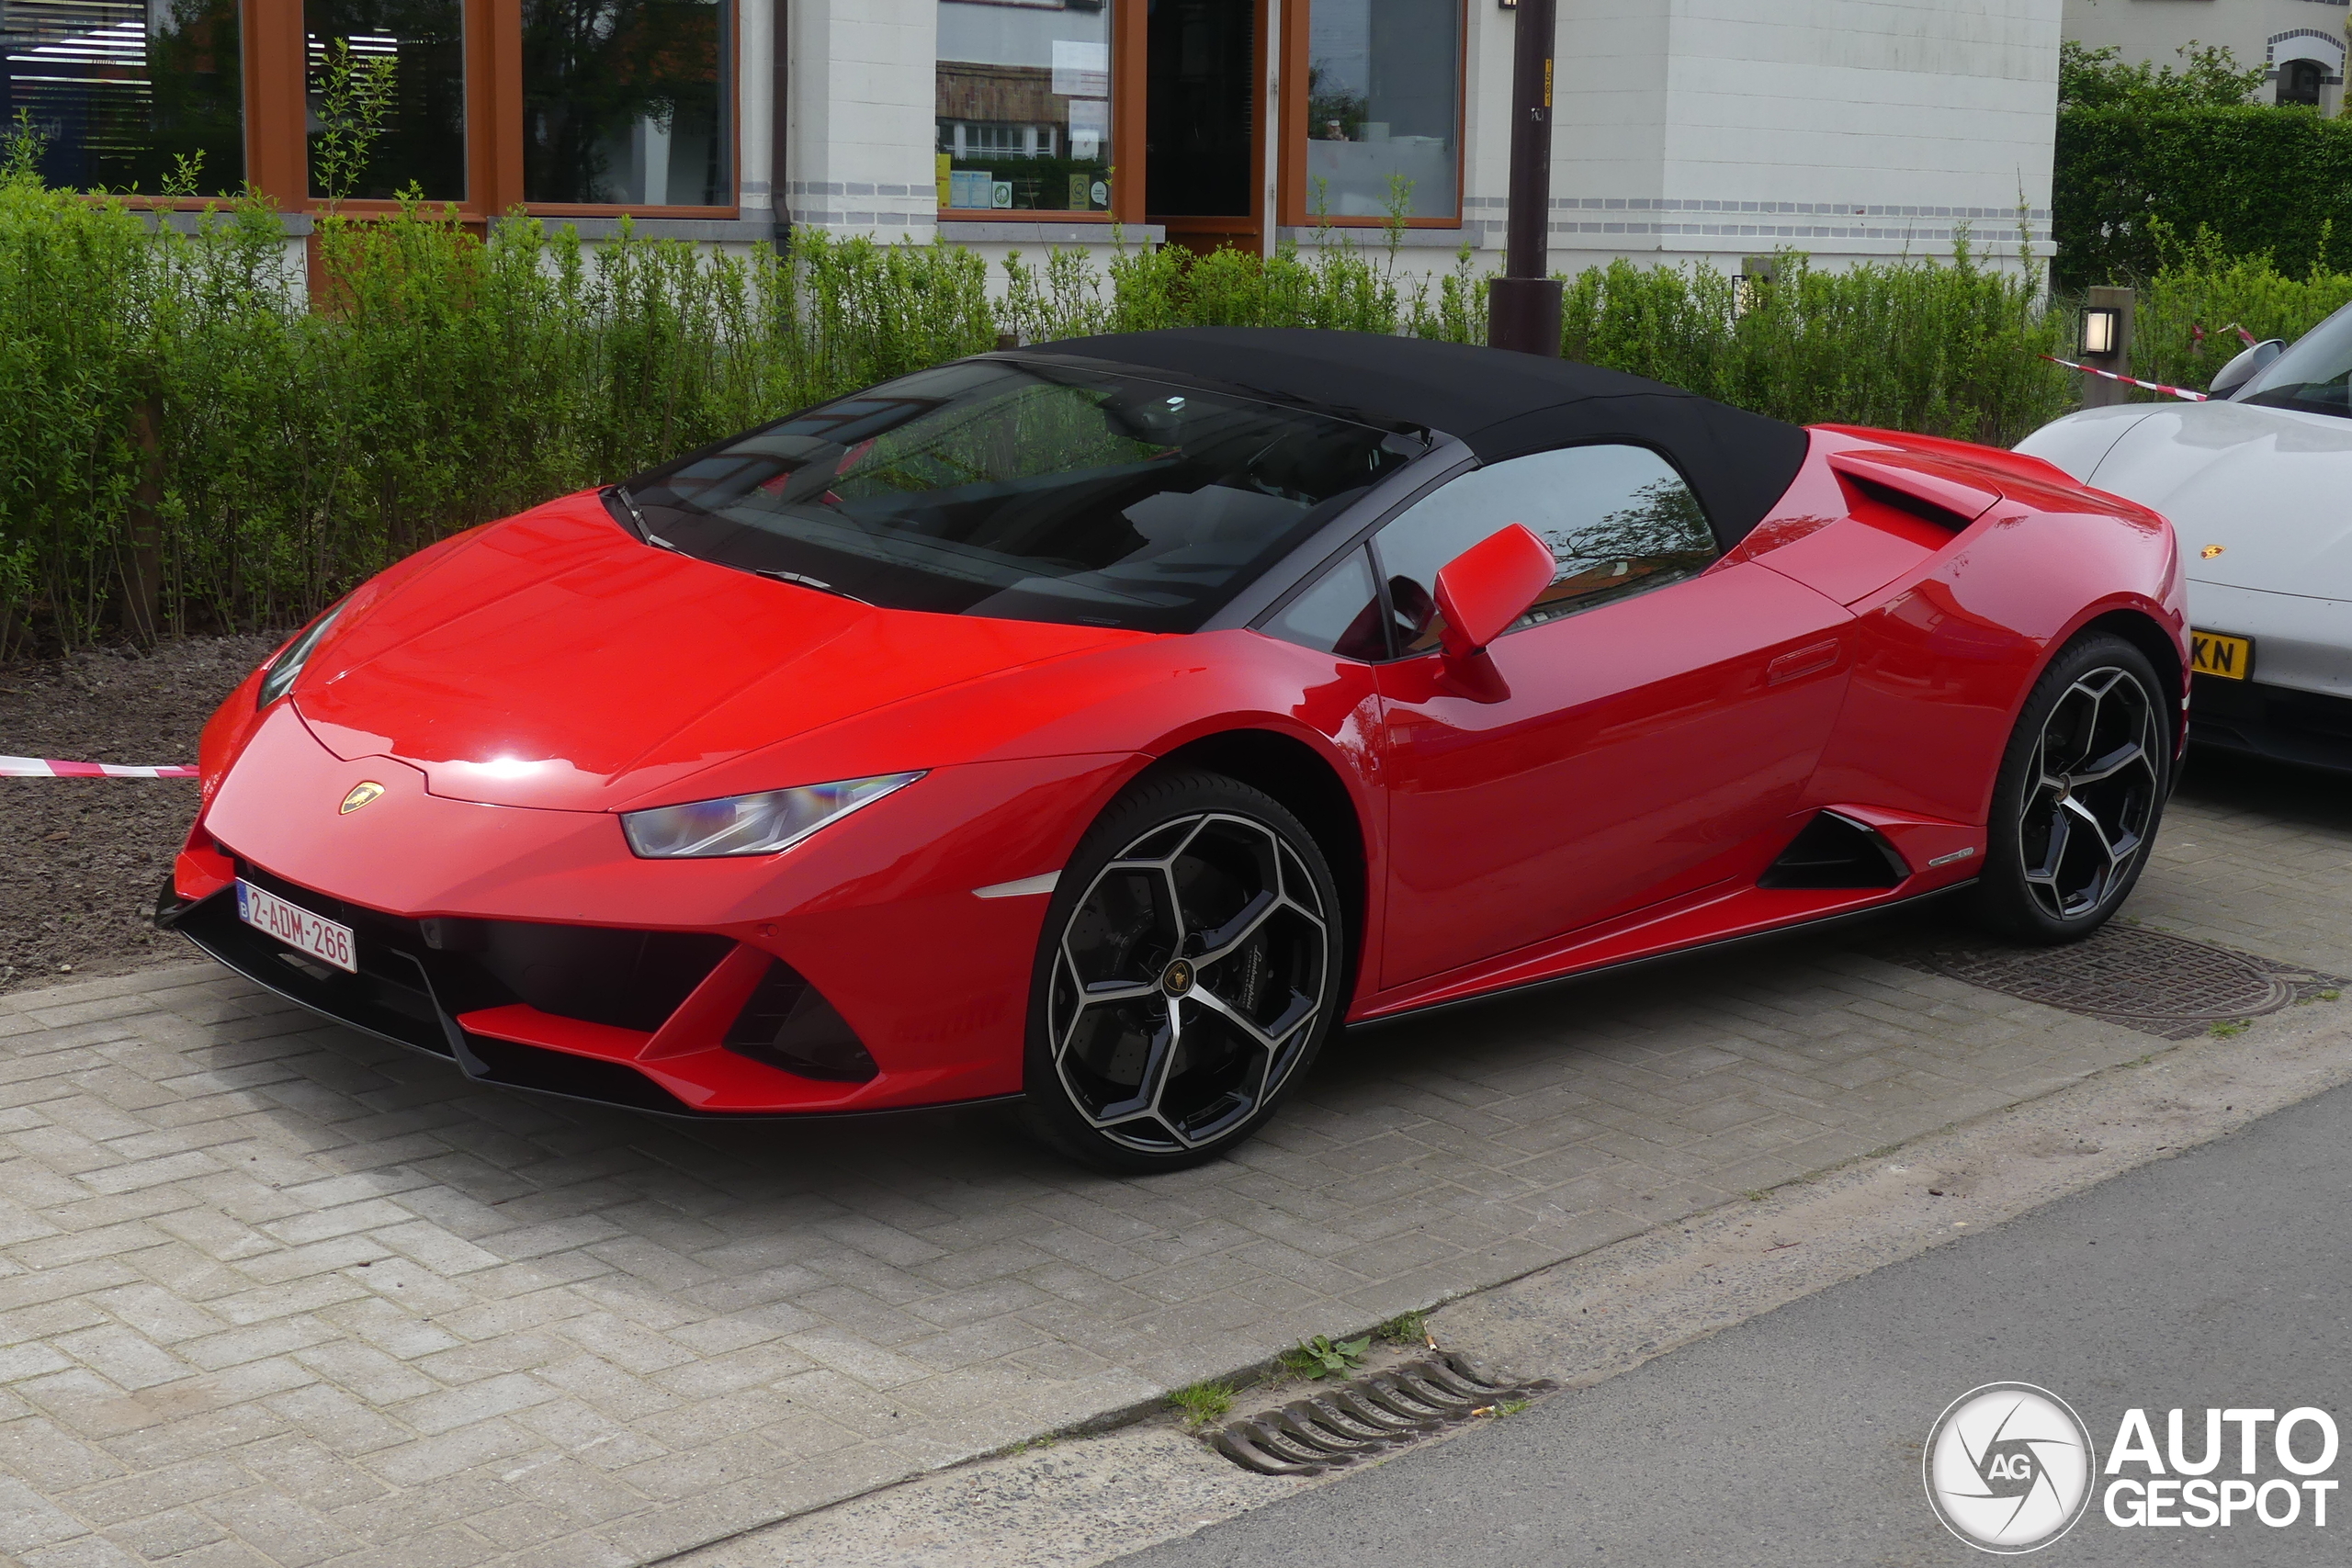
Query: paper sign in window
(1089, 125)
(1081, 70)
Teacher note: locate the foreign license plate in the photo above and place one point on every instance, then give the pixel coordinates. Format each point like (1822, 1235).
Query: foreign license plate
(2220, 655)
(296, 926)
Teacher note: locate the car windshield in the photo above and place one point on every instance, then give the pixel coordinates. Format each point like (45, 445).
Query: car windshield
(1034, 491)
(2315, 375)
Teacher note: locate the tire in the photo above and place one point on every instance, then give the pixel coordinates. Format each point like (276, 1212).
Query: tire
(2080, 795)
(1196, 899)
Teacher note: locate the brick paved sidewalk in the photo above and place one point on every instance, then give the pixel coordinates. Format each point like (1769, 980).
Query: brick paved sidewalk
(271, 1294)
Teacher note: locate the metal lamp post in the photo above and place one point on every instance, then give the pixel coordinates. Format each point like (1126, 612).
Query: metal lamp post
(1524, 305)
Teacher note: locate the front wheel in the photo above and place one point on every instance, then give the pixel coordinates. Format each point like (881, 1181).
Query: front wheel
(2081, 791)
(1189, 972)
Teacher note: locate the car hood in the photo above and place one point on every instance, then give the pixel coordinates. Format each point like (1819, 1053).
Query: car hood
(553, 660)
(2255, 494)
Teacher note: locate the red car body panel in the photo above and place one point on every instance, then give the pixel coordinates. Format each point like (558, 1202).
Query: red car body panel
(1655, 720)
(492, 690)
(1610, 787)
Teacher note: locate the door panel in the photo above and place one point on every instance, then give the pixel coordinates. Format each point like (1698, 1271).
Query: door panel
(1643, 748)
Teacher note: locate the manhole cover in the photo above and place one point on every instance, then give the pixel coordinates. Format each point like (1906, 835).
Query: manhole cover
(2148, 981)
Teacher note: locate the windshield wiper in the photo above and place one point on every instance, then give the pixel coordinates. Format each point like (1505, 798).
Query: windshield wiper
(638, 517)
(818, 584)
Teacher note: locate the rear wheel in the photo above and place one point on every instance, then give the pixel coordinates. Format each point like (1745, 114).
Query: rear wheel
(2081, 792)
(1189, 973)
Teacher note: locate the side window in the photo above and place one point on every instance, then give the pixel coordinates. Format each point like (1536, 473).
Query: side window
(1340, 614)
(1619, 520)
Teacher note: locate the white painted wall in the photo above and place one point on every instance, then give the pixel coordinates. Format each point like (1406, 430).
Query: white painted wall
(863, 85)
(1714, 130)
(1851, 129)
(755, 106)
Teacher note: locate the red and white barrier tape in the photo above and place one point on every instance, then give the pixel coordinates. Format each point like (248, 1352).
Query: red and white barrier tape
(2197, 335)
(52, 768)
(2129, 380)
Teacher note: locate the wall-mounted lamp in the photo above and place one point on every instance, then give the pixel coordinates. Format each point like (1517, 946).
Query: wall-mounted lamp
(2102, 329)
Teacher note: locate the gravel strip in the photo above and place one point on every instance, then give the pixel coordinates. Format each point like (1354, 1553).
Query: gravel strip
(83, 855)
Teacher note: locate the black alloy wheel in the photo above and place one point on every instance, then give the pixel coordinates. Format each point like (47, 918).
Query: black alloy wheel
(1189, 973)
(2081, 792)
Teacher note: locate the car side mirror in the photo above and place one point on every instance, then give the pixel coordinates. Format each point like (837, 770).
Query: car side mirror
(2231, 379)
(1482, 591)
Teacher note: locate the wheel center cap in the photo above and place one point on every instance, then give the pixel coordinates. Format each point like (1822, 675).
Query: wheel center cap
(1177, 978)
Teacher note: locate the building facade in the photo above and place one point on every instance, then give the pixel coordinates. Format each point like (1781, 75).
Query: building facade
(1685, 129)
(2300, 44)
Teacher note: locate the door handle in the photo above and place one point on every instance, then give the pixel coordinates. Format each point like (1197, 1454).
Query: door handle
(1805, 660)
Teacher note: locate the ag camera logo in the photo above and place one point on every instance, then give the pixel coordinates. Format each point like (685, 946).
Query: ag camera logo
(2009, 1468)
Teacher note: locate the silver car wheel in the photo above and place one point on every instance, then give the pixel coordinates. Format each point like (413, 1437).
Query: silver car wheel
(1187, 982)
(2097, 775)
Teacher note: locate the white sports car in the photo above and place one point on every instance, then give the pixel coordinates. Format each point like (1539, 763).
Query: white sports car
(2259, 485)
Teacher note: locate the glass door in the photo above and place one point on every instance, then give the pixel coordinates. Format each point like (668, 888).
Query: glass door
(1205, 122)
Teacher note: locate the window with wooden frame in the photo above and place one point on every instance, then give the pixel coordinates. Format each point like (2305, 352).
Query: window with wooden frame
(627, 103)
(385, 79)
(132, 95)
(565, 108)
(1026, 116)
(1372, 126)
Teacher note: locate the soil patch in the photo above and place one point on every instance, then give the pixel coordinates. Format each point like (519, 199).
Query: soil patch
(85, 856)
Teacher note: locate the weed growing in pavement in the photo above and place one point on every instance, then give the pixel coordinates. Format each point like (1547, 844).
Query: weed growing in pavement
(1406, 1329)
(1512, 1406)
(1322, 1357)
(2233, 1027)
(2331, 996)
(1202, 1402)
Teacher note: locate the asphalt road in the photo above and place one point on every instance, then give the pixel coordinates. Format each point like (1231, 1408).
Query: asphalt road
(2217, 1278)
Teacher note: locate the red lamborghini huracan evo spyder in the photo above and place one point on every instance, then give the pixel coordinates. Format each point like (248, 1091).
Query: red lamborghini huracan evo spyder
(1103, 724)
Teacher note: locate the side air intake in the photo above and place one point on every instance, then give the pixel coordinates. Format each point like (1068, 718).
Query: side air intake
(789, 1024)
(1835, 851)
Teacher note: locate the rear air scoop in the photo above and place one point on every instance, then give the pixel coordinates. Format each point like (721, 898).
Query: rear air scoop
(559, 663)
(1865, 515)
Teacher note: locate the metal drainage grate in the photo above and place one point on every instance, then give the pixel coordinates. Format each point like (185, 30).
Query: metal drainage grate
(2148, 981)
(1368, 1415)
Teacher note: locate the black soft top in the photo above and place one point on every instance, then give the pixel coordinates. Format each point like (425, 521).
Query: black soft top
(1499, 403)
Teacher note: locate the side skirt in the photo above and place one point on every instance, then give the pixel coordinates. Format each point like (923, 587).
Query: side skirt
(1570, 972)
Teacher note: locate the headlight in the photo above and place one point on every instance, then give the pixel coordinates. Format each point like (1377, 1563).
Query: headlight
(283, 670)
(752, 824)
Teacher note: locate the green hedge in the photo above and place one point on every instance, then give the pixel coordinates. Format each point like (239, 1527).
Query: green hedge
(1948, 349)
(2261, 180)
(189, 442)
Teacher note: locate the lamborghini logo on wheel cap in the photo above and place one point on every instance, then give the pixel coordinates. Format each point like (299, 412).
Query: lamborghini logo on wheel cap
(362, 793)
(1177, 978)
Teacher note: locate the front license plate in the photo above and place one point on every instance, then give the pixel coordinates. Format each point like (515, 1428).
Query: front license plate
(296, 926)
(2221, 655)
